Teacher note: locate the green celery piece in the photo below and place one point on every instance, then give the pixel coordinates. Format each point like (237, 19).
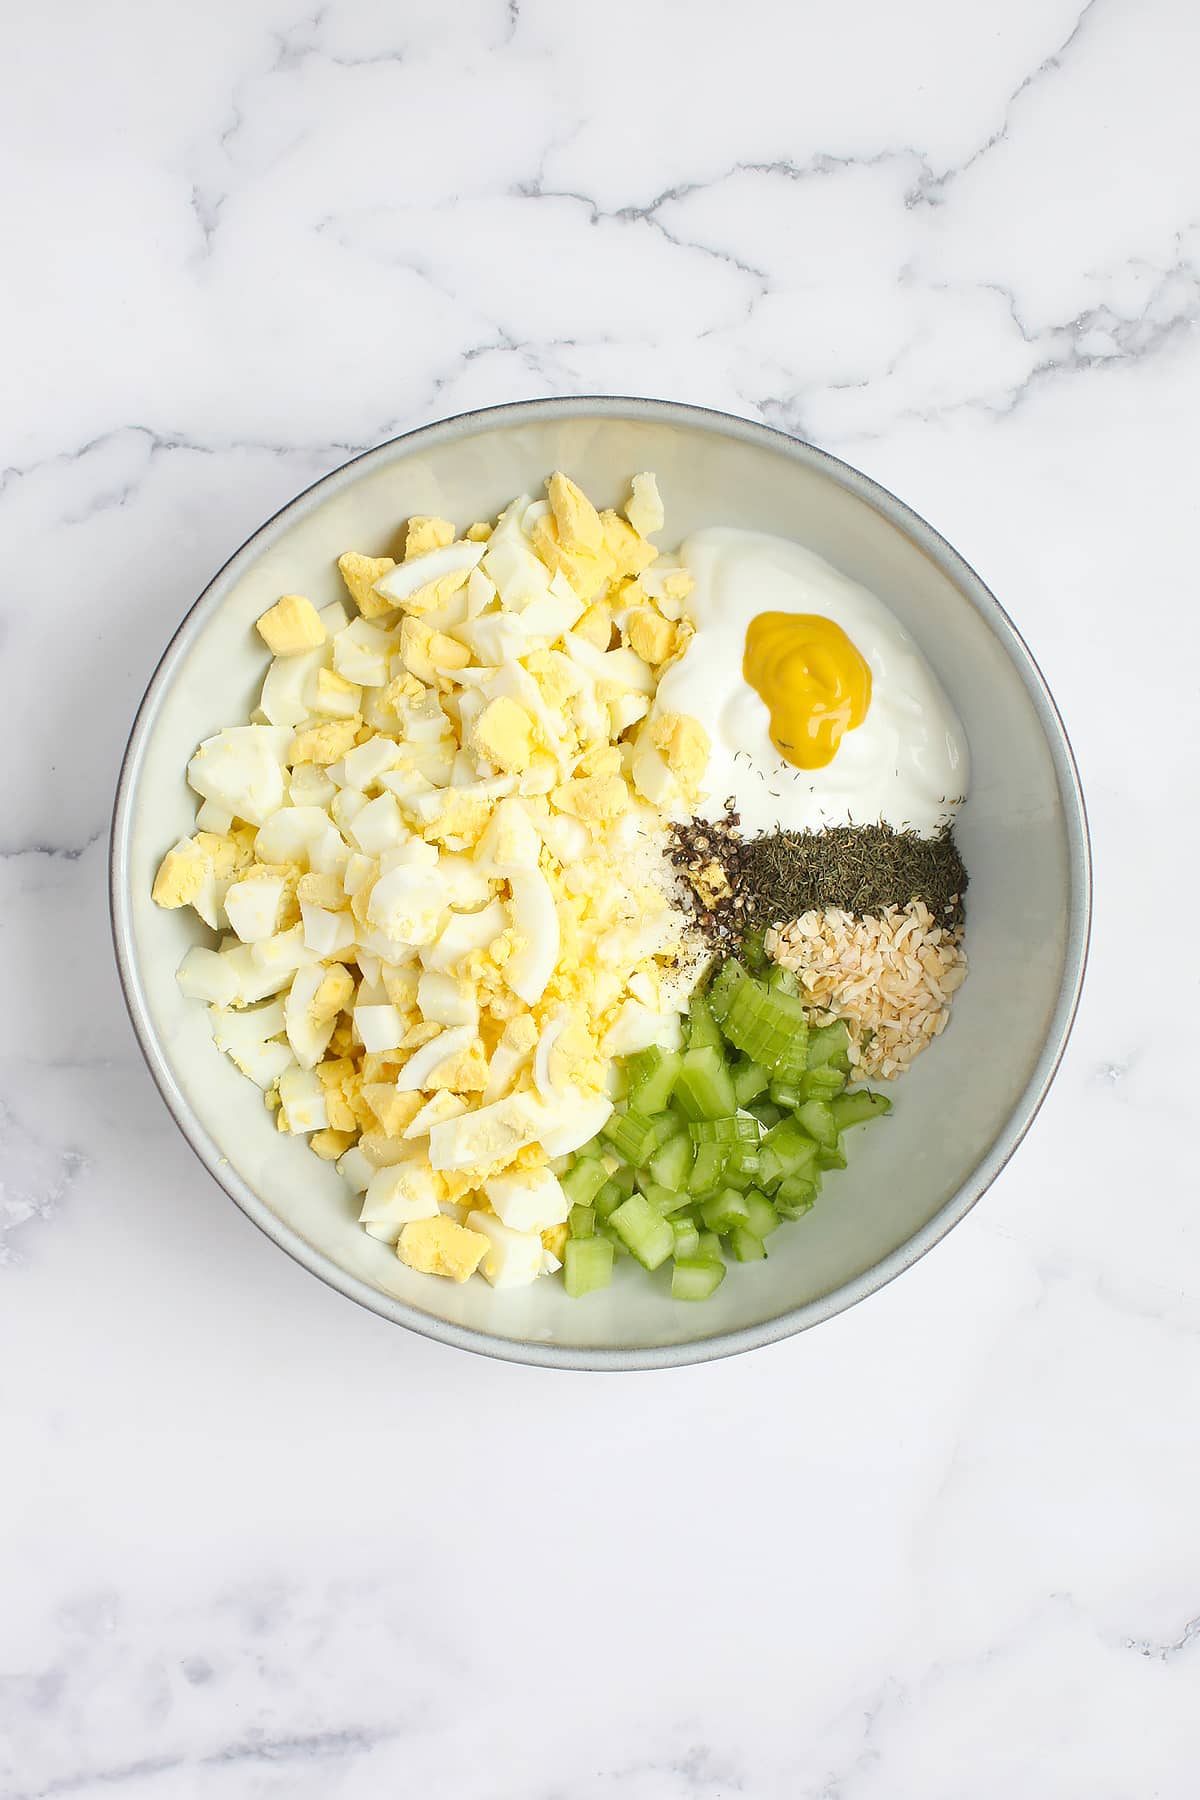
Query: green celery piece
(782, 981)
(795, 1196)
(587, 1265)
(581, 1221)
(786, 1150)
(687, 1236)
(665, 1200)
(750, 1081)
(605, 1230)
(819, 1122)
(829, 1044)
(667, 1125)
(831, 1156)
(768, 1028)
(583, 1180)
(723, 986)
(754, 953)
(732, 1130)
(671, 1164)
(710, 1246)
(708, 1168)
(695, 1278)
(857, 1108)
(766, 1112)
(703, 1032)
(762, 1219)
(788, 1094)
(728, 1209)
(821, 1083)
(631, 1136)
(608, 1199)
(792, 1060)
(625, 1179)
(745, 1246)
(704, 1088)
(644, 1231)
(652, 1075)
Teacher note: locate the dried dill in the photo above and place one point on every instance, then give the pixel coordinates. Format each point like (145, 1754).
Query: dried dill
(741, 885)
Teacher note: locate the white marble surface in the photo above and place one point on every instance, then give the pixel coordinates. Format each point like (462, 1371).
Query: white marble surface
(256, 1543)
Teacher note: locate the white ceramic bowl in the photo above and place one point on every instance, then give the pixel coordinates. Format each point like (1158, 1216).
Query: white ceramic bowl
(964, 1108)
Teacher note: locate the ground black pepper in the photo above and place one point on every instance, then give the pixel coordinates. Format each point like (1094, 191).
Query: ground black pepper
(740, 885)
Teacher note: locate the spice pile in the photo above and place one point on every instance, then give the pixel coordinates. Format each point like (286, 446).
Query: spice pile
(742, 885)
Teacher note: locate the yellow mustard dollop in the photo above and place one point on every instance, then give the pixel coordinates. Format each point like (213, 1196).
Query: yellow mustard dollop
(814, 681)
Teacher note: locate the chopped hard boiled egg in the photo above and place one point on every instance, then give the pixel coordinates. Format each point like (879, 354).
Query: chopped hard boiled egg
(436, 867)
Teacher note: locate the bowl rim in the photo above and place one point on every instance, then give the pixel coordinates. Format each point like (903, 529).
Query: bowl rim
(1079, 887)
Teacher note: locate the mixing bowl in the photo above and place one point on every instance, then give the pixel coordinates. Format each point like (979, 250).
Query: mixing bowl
(966, 1105)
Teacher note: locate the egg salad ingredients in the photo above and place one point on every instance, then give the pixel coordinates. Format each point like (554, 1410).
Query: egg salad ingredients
(443, 896)
(814, 682)
(904, 762)
(717, 1144)
(890, 978)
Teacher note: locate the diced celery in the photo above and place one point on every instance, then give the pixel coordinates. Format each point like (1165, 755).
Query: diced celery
(587, 1265)
(821, 1083)
(671, 1164)
(754, 953)
(782, 981)
(766, 1112)
(694, 1278)
(583, 1180)
(687, 1236)
(749, 1082)
(786, 1150)
(831, 1156)
(857, 1108)
(734, 1129)
(818, 1121)
(631, 1135)
(625, 1179)
(605, 1230)
(652, 1075)
(795, 1196)
(644, 1231)
(792, 1060)
(787, 1094)
(745, 1246)
(581, 1221)
(710, 1246)
(608, 1199)
(768, 1028)
(665, 1200)
(726, 1210)
(702, 1029)
(724, 984)
(762, 1219)
(667, 1125)
(704, 1088)
(829, 1044)
(708, 1167)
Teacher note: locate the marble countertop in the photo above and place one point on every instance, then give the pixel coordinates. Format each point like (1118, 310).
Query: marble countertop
(256, 1542)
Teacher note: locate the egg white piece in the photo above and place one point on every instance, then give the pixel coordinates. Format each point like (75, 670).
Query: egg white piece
(907, 764)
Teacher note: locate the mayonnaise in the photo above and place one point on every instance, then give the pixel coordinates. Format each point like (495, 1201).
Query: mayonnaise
(906, 764)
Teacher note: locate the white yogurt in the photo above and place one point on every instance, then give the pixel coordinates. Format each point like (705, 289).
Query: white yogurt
(907, 763)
